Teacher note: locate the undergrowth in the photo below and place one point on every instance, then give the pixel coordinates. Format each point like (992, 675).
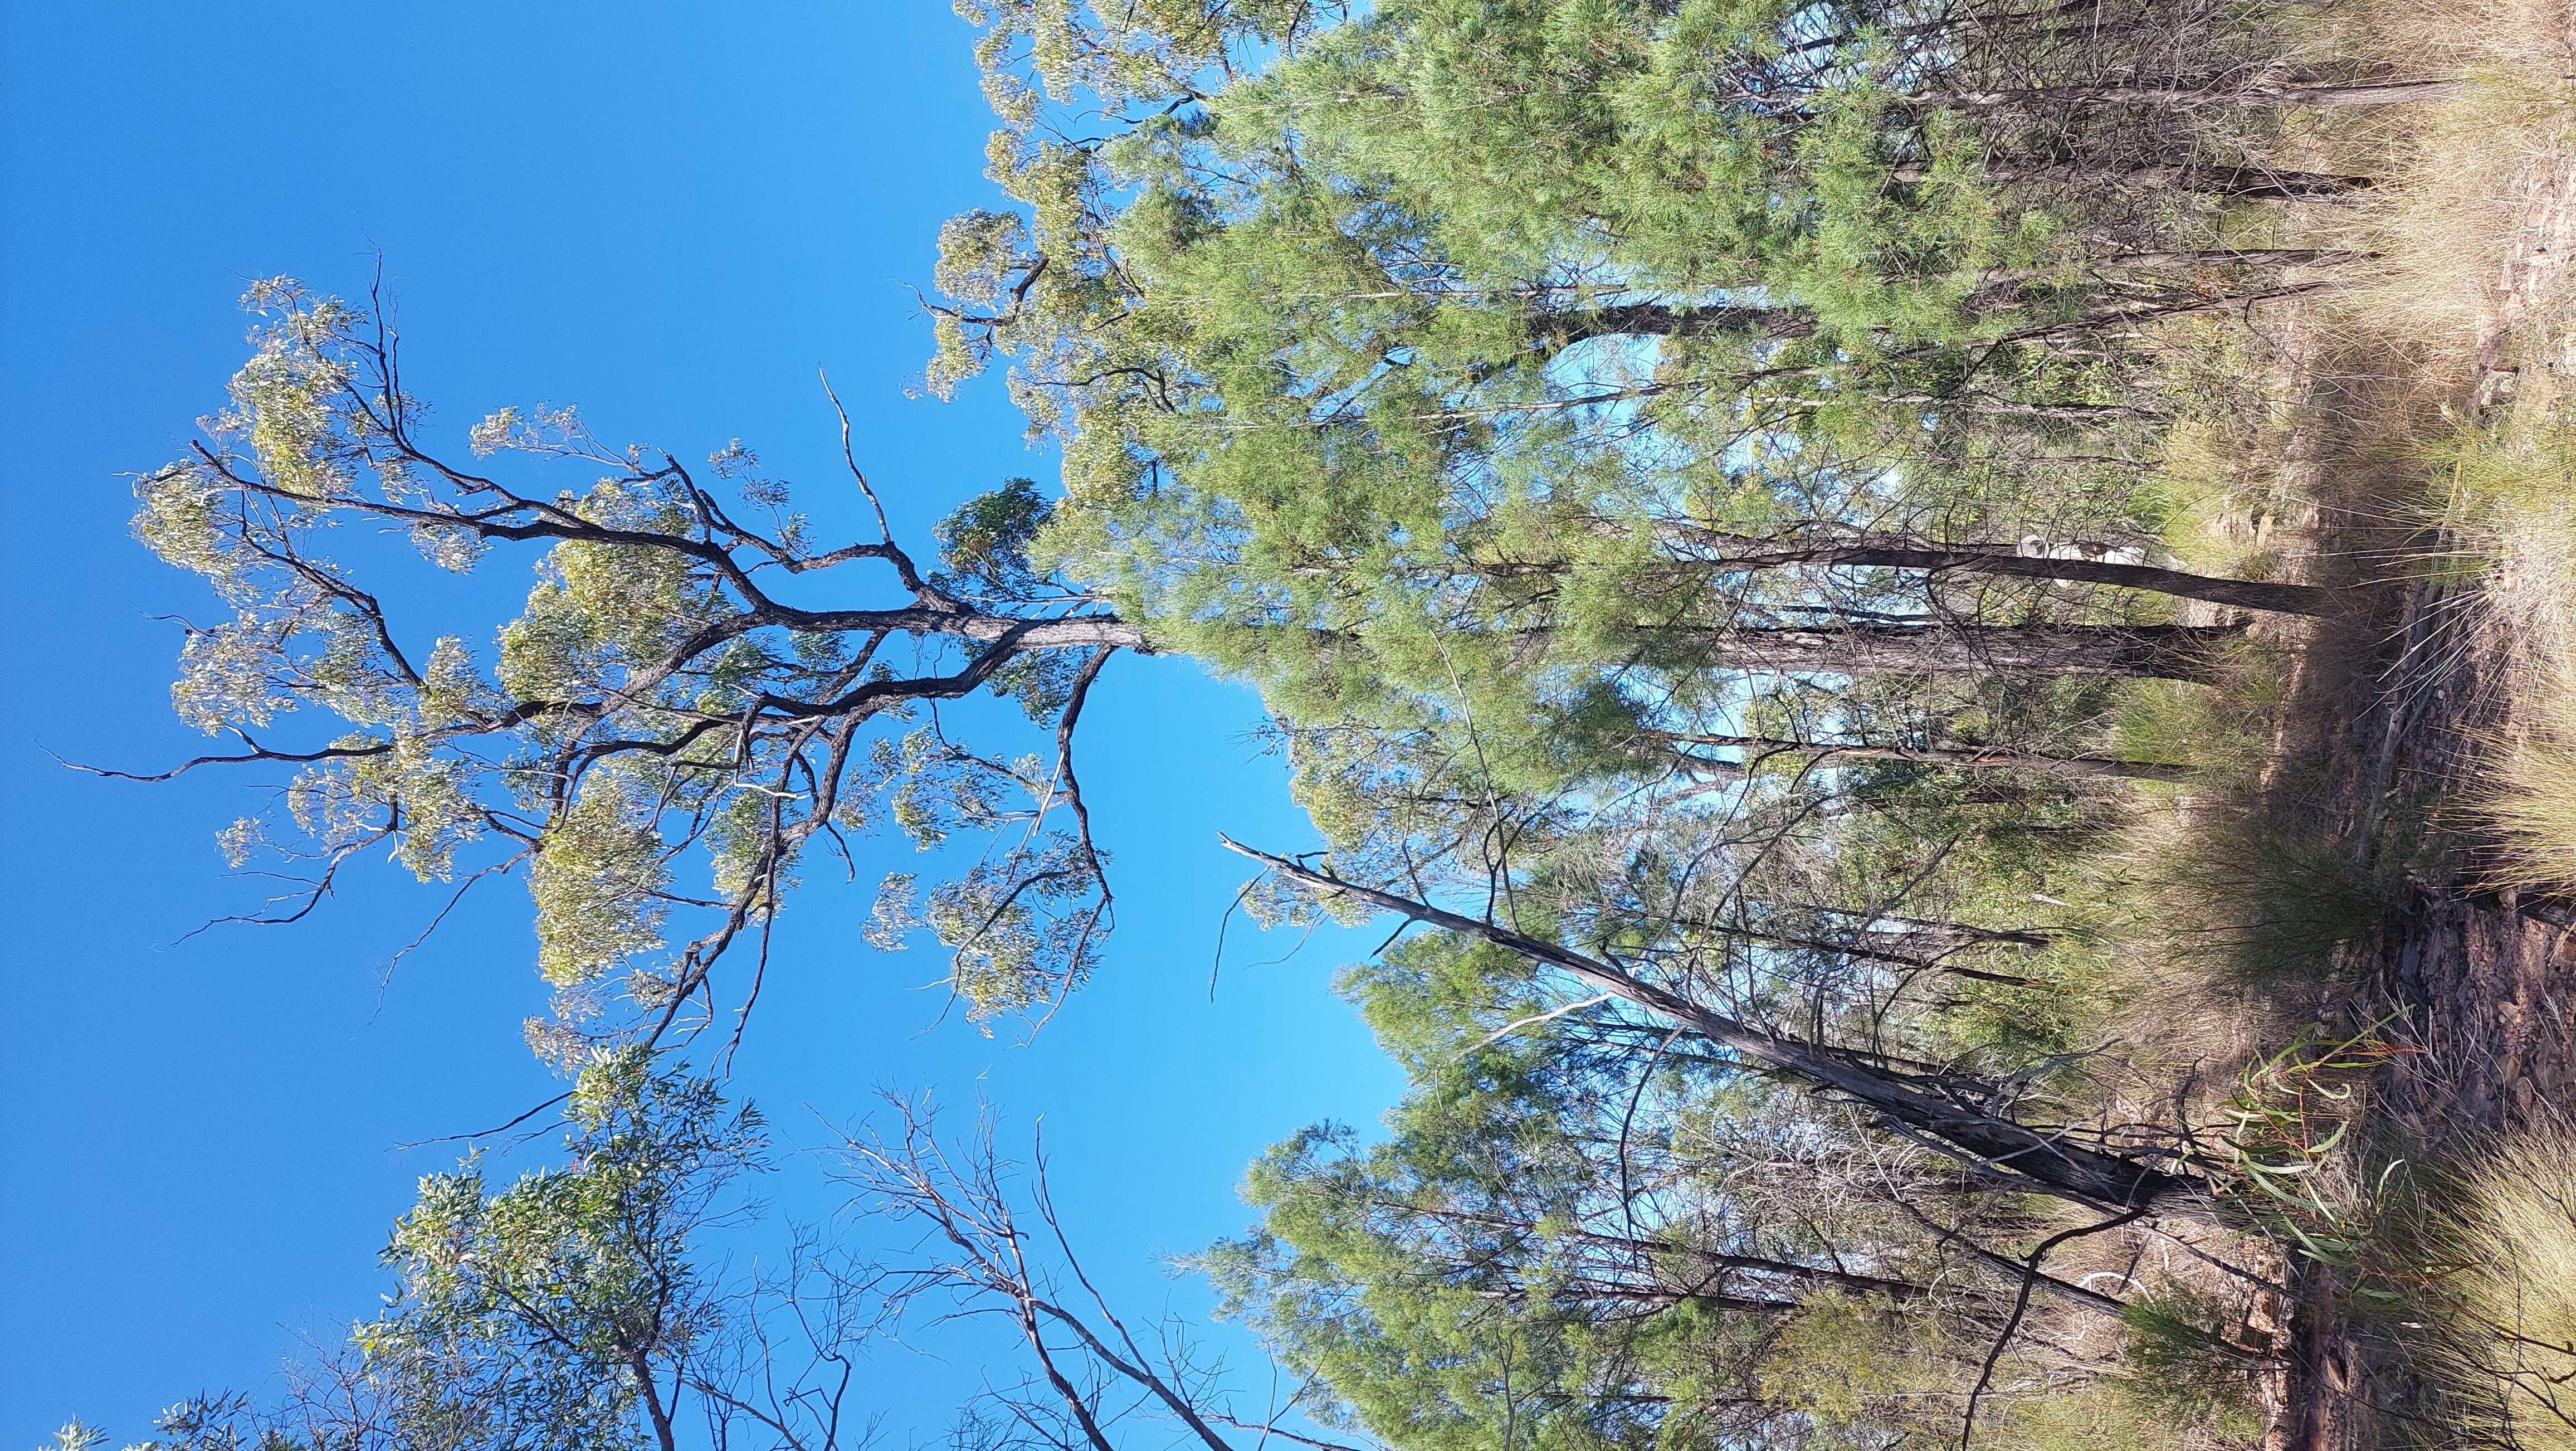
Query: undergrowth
(2508, 505)
(2501, 1317)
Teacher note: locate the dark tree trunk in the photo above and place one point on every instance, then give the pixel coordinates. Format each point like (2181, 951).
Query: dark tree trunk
(2184, 94)
(1661, 320)
(2251, 183)
(1733, 552)
(1963, 758)
(2159, 652)
(1923, 1107)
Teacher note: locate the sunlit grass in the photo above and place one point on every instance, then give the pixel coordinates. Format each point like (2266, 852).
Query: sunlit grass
(2505, 1320)
(2510, 505)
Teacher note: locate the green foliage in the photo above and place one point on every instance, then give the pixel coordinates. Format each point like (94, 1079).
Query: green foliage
(2237, 891)
(1861, 1371)
(539, 1314)
(2171, 1373)
(652, 712)
(985, 543)
(2285, 1122)
(2499, 1313)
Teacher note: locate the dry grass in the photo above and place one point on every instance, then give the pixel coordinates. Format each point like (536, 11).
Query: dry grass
(2224, 733)
(2242, 893)
(2532, 803)
(2451, 177)
(2506, 1318)
(2213, 501)
(2510, 507)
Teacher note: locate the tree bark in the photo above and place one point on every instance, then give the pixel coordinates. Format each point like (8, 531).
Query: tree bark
(1898, 551)
(1965, 758)
(2008, 1152)
(1661, 320)
(2182, 94)
(2252, 183)
(2159, 652)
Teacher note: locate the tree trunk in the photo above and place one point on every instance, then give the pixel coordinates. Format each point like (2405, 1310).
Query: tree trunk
(1953, 933)
(1660, 320)
(1964, 758)
(2251, 183)
(2159, 652)
(1905, 950)
(2184, 94)
(1918, 1107)
(1898, 551)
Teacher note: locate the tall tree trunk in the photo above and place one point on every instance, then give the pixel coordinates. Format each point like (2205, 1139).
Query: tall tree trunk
(1906, 950)
(2249, 183)
(2184, 94)
(2161, 652)
(1647, 1249)
(1922, 1107)
(1964, 758)
(1554, 331)
(1952, 933)
(1735, 552)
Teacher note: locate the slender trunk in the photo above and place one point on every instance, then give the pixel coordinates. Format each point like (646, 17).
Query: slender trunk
(653, 1407)
(1557, 330)
(1899, 551)
(1662, 320)
(2194, 653)
(1965, 758)
(1954, 932)
(2232, 257)
(2252, 183)
(2179, 94)
(1990, 407)
(1075, 1402)
(2160, 652)
(1918, 1107)
(1898, 951)
(1796, 1274)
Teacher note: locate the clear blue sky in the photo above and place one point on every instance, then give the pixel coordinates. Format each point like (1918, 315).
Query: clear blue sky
(669, 215)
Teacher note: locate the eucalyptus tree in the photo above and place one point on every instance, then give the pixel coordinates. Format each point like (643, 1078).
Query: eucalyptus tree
(568, 1308)
(1583, 1228)
(677, 720)
(582, 1306)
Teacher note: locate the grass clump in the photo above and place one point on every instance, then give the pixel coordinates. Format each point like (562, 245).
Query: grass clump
(2452, 176)
(2224, 735)
(2175, 1372)
(2530, 803)
(2505, 1318)
(2242, 893)
(2510, 507)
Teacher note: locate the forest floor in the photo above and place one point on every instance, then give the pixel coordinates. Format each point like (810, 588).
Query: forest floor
(2471, 986)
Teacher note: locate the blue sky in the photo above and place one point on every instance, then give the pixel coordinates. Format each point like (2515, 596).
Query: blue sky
(669, 215)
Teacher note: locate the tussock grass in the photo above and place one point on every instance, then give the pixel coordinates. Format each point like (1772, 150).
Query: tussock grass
(2171, 1372)
(2504, 1320)
(2219, 933)
(2240, 892)
(2212, 503)
(2531, 802)
(2223, 734)
(2510, 507)
(2450, 176)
